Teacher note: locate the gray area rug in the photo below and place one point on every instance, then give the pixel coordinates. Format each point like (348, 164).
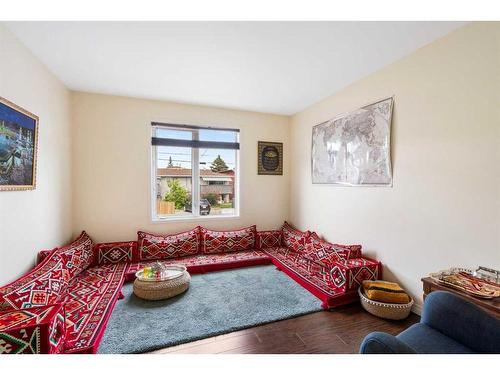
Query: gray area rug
(215, 303)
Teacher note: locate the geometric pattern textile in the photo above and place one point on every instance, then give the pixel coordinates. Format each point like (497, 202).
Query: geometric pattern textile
(344, 251)
(33, 331)
(88, 305)
(42, 286)
(157, 246)
(78, 255)
(351, 273)
(294, 239)
(324, 252)
(42, 254)
(202, 262)
(268, 238)
(340, 277)
(319, 250)
(228, 241)
(115, 252)
(309, 271)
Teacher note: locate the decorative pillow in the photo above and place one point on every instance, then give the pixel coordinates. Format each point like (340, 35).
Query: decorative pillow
(294, 239)
(213, 241)
(42, 254)
(268, 238)
(115, 252)
(323, 251)
(42, 286)
(158, 246)
(353, 251)
(78, 255)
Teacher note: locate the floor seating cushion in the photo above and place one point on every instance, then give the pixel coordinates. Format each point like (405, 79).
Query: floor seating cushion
(89, 304)
(227, 241)
(64, 286)
(158, 246)
(33, 330)
(64, 303)
(332, 272)
(202, 263)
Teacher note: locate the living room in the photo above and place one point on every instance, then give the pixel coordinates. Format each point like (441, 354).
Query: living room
(307, 187)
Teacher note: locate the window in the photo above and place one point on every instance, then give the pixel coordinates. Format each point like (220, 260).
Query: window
(195, 171)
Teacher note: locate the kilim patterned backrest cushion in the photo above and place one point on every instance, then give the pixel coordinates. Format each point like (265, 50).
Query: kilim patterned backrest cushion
(320, 250)
(115, 252)
(46, 284)
(42, 254)
(267, 239)
(78, 255)
(353, 251)
(294, 239)
(159, 246)
(226, 241)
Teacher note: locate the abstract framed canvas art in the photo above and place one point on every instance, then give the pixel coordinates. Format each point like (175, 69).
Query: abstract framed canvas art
(270, 156)
(18, 147)
(354, 149)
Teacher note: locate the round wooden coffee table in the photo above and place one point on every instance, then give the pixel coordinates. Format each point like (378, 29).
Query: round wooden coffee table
(173, 281)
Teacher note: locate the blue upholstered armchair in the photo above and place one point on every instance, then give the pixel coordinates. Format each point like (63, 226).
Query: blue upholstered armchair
(449, 325)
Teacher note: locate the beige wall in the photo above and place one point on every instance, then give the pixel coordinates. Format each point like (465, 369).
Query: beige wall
(41, 218)
(444, 208)
(111, 161)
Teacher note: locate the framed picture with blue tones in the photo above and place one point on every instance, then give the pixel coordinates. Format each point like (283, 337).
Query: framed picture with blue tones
(18, 147)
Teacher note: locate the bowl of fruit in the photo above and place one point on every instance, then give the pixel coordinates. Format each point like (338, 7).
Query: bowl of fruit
(160, 272)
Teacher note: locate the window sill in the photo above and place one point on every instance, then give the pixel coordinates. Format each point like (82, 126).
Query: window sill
(193, 218)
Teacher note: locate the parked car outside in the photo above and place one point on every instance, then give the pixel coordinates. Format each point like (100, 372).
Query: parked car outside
(205, 207)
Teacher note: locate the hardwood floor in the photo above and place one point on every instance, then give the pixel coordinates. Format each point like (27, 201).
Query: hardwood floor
(339, 331)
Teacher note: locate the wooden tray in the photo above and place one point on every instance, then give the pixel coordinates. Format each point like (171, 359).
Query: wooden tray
(463, 280)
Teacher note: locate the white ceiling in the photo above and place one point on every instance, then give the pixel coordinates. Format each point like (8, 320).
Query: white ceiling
(275, 67)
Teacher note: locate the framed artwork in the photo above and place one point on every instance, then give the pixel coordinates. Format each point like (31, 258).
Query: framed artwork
(18, 147)
(354, 149)
(270, 156)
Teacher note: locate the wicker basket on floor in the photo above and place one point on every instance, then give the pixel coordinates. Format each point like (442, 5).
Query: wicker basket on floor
(157, 290)
(393, 311)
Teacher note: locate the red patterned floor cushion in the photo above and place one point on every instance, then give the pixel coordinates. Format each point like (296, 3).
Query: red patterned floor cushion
(294, 239)
(158, 246)
(327, 253)
(42, 254)
(115, 252)
(213, 241)
(353, 251)
(268, 238)
(42, 286)
(351, 273)
(209, 262)
(88, 306)
(309, 271)
(342, 277)
(32, 331)
(78, 255)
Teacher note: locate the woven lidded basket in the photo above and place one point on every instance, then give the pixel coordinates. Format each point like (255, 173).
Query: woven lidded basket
(161, 289)
(394, 311)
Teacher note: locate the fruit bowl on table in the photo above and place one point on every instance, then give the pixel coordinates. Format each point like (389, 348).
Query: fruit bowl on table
(165, 273)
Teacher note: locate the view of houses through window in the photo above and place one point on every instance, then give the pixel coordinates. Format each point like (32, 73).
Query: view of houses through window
(195, 171)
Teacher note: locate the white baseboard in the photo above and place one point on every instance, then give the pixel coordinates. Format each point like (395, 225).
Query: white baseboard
(417, 309)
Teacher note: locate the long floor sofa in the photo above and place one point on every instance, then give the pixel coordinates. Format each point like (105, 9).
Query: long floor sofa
(65, 302)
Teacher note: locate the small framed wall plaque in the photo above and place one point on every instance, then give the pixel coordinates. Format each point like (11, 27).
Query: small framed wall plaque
(18, 147)
(270, 156)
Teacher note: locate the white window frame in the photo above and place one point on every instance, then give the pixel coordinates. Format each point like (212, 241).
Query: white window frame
(195, 176)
